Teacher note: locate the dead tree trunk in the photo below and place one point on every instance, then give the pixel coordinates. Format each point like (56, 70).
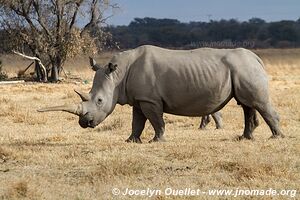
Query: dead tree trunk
(54, 73)
(56, 68)
(38, 72)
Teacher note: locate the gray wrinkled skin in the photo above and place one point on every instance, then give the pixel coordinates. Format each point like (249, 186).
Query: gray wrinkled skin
(188, 83)
(217, 117)
(196, 82)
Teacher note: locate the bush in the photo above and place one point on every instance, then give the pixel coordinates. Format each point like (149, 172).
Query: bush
(3, 75)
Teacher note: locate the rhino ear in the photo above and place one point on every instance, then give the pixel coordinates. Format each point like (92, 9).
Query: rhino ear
(92, 61)
(93, 64)
(111, 68)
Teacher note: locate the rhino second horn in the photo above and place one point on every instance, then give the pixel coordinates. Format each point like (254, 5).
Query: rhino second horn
(83, 96)
(74, 109)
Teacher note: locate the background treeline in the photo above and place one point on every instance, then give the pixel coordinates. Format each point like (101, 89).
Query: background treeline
(255, 33)
(171, 33)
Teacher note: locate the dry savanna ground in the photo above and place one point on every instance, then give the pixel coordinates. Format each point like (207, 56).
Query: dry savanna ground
(48, 155)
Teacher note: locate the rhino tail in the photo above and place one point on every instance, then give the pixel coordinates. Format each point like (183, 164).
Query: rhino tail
(260, 61)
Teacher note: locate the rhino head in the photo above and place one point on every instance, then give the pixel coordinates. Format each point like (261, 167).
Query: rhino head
(99, 102)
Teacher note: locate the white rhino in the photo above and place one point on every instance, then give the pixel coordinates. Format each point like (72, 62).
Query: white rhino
(217, 117)
(196, 82)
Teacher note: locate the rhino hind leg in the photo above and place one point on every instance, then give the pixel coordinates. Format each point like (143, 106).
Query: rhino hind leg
(256, 96)
(250, 121)
(138, 124)
(262, 104)
(154, 113)
(217, 116)
(272, 119)
(204, 121)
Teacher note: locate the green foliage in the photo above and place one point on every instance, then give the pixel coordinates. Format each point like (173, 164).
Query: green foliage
(225, 33)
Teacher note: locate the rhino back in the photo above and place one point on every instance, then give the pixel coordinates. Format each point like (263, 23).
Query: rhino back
(189, 83)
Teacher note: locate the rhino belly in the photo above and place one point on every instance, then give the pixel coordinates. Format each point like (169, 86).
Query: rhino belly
(196, 106)
(191, 101)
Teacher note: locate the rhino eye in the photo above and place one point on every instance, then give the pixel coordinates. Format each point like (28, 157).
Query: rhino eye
(99, 102)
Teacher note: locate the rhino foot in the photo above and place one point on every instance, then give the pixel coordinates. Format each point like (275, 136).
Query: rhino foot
(243, 137)
(158, 139)
(277, 136)
(133, 140)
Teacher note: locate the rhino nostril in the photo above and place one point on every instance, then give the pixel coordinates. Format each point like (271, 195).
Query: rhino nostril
(83, 123)
(86, 121)
(90, 122)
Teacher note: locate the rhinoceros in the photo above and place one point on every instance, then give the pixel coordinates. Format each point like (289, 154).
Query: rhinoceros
(197, 82)
(217, 117)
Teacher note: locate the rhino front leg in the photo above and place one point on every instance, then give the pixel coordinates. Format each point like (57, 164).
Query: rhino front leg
(204, 121)
(154, 113)
(138, 124)
(217, 116)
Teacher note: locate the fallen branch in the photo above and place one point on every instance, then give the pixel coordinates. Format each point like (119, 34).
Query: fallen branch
(36, 60)
(22, 72)
(11, 82)
(28, 67)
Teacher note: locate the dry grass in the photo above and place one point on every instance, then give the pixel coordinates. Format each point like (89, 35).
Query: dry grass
(48, 156)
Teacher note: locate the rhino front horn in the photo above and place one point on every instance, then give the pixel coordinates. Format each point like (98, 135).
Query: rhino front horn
(74, 109)
(83, 96)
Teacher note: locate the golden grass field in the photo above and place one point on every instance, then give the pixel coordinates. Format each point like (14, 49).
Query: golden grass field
(49, 156)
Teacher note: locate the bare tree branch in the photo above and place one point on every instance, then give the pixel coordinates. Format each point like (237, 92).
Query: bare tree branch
(78, 4)
(25, 15)
(40, 19)
(93, 17)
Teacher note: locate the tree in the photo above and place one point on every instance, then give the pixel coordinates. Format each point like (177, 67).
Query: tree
(256, 21)
(283, 31)
(53, 30)
(221, 34)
